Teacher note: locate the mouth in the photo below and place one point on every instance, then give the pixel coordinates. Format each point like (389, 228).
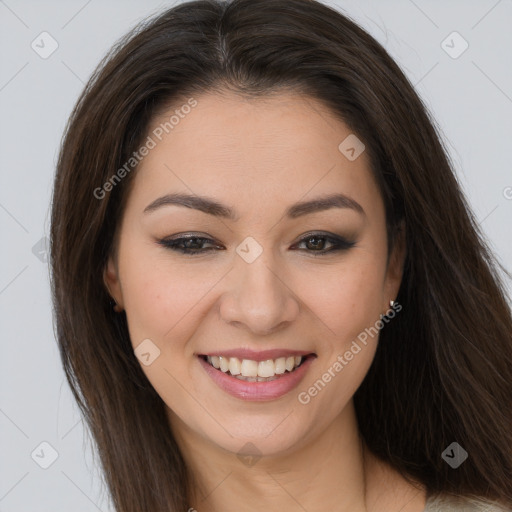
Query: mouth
(250, 370)
(266, 376)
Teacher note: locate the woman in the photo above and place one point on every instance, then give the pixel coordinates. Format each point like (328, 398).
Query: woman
(269, 289)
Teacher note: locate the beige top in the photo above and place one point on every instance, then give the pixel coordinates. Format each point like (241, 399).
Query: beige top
(445, 503)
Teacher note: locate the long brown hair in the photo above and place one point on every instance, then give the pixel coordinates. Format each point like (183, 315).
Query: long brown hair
(443, 367)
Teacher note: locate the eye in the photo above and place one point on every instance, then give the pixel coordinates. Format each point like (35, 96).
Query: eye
(191, 244)
(316, 242)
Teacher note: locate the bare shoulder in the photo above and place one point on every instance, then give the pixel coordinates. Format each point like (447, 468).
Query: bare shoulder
(447, 503)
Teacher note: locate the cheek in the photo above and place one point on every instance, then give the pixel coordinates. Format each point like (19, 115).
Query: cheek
(349, 303)
(347, 298)
(165, 298)
(159, 303)
(161, 297)
(162, 304)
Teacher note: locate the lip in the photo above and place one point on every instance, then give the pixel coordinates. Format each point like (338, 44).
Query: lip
(258, 391)
(257, 355)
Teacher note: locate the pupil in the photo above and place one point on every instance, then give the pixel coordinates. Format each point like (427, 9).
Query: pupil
(190, 243)
(318, 242)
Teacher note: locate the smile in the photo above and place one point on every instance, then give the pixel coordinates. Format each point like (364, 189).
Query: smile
(263, 376)
(254, 371)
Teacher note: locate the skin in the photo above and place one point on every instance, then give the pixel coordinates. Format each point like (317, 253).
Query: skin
(260, 156)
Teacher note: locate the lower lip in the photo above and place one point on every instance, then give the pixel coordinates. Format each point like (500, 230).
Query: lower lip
(257, 391)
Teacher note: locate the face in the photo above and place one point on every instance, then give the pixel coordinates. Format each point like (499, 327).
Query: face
(275, 274)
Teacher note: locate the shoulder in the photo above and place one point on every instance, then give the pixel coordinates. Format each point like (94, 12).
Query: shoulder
(448, 503)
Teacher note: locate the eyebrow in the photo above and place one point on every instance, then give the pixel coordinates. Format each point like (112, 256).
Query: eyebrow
(212, 207)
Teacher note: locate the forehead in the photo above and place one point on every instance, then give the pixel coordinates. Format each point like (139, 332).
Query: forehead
(266, 149)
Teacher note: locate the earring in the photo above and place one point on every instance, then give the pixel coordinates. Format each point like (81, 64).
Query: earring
(391, 303)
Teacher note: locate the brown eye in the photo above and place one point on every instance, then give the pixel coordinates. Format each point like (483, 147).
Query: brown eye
(188, 244)
(317, 243)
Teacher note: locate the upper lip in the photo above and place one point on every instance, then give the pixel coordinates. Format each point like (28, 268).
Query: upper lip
(258, 355)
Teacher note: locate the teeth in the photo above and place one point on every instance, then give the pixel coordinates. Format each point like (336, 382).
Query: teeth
(266, 368)
(224, 364)
(280, 365)
(256, 379)
(254, 371)
(234, 366)
(249, 368)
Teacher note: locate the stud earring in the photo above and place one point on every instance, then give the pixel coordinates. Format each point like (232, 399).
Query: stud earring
(391, 303)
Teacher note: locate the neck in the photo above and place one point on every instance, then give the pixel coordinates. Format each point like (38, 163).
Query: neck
(326, 473)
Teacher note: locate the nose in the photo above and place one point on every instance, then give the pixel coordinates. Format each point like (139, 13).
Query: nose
(257, 297)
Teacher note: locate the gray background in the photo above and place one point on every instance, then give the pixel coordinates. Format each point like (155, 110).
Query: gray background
(469, 96)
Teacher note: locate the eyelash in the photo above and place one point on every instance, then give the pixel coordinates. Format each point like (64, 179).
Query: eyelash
(339, 244)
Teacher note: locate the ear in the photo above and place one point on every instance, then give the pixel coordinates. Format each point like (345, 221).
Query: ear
(111, 280)
(395, 268)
